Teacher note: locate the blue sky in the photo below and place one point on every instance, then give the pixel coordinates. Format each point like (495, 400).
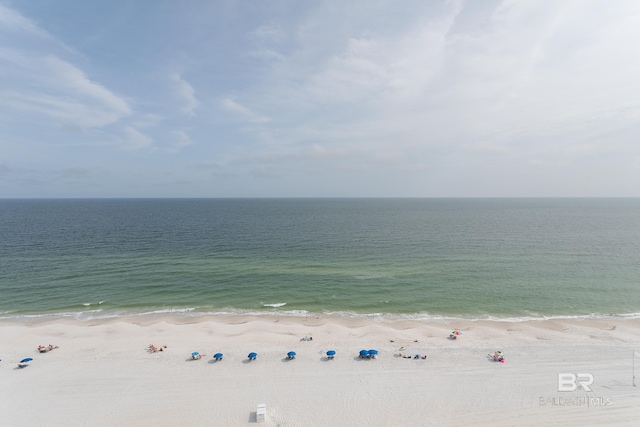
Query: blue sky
(319, 98)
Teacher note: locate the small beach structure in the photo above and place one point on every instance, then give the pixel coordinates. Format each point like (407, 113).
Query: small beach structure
(252, 356)
(24, 362)
(373, 353)
(195, 355)
(261, 412)
(364, 354)
(331, 354)
(217, 357)
(291, 355)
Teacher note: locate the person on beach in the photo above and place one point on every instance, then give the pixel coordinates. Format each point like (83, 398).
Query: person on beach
(196, 355)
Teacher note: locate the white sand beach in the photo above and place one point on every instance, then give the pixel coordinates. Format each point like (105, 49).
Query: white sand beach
(103, 375)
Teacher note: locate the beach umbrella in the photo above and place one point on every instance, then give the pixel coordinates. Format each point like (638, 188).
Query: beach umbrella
(217, 356)
(331, 353)
(373, 352)
(252, 355)
(364, 353)
(291, 354)
(195, 354)
(456, 333)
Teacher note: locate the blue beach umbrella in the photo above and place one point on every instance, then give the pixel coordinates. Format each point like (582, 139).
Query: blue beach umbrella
(364, 353)
(291, 354)
(217, 356)
(195, 354)
(252, 355)
(373, 352)
(331, 353)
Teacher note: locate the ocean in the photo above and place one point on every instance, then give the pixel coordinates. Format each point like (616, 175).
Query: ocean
(501, 259)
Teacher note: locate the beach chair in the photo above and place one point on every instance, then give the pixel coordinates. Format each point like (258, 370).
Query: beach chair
(24, 362)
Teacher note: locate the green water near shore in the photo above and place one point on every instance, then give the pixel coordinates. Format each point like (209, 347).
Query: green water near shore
(416, 258)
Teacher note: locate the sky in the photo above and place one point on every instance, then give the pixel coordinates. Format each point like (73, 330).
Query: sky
(338, 98)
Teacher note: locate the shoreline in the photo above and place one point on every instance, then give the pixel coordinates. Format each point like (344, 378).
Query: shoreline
(391, 319)
(191, 315)
(102, 374)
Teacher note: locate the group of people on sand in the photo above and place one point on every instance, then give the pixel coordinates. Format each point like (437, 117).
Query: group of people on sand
(154, 349)
(498, 356)
(46, 348)
(415, 356)
(408, 356)
(454, 335)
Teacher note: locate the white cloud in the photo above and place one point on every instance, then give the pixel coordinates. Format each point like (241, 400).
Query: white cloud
(51, 87)
(135, 140)
(74, 80)
(188, 95)
(267, 33)
(541, 72)
(13, 21)
(180, 140)
(534, 71)
(36, 80)
(374, 86)
(535, 83)
(232, 106)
